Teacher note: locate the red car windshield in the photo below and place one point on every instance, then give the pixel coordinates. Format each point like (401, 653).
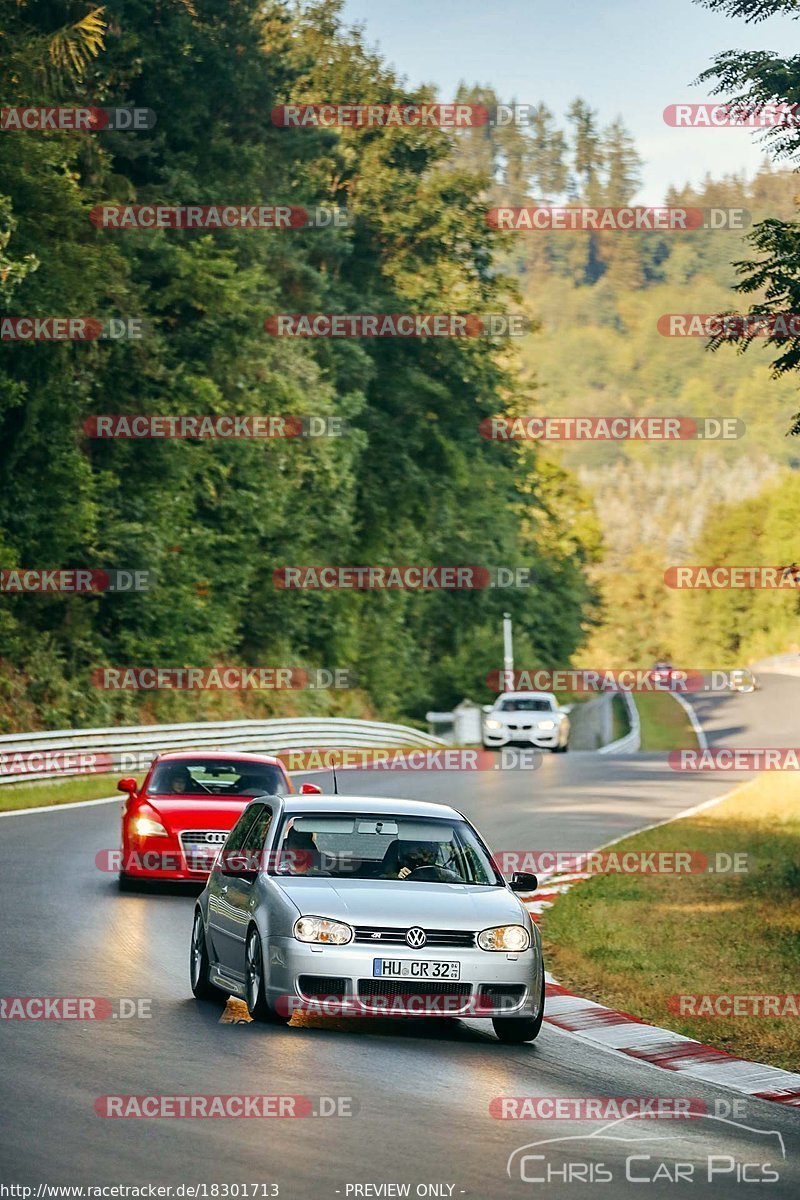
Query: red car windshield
(216, 777)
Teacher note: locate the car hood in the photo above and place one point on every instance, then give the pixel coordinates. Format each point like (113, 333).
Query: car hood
(402, 903)
(198, 813)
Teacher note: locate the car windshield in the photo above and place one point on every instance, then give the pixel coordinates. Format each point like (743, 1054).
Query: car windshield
(216, 777)
(382, 846)
(526, 704)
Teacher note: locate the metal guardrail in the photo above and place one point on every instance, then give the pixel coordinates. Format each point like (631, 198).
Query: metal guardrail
(632, 740)
(64, 752)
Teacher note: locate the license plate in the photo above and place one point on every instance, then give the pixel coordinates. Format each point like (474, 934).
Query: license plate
(199, 858)
(405, 968)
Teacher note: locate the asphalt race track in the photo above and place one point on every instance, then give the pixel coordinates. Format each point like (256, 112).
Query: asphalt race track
(421, 1089)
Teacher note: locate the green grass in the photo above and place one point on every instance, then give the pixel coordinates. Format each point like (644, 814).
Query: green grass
(665, 725)
(57, 791)
(620, 718)
(633, 941)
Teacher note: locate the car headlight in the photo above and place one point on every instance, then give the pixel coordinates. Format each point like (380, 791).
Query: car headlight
(148, 827)
(320, 929)
(494, 724)
(547, 724)
(512, 938)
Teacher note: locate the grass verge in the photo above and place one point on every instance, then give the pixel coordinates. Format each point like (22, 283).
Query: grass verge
(57, 791)
(665, 725)
(634, 941)
(620, 718)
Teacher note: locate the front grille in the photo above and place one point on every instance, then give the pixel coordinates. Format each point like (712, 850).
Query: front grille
(201, 846)
(411, 987)
(379, 935)
(204, 837)
(322, 985)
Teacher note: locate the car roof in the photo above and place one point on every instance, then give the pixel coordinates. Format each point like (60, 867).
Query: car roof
(526, 696)
(228, 755)
(369, 804)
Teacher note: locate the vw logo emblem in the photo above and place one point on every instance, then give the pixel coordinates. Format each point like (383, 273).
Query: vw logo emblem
(416, 938)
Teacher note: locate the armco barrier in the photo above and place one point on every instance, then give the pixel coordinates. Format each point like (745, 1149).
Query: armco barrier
(30, 756)
(632, 741)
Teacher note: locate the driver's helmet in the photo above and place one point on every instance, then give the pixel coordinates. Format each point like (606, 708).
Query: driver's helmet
(179, 779)
(419, 854)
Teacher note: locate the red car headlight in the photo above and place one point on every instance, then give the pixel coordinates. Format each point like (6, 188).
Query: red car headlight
(145, 823)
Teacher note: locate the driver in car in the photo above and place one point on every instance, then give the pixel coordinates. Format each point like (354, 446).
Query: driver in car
(416, 855)
(180, 780)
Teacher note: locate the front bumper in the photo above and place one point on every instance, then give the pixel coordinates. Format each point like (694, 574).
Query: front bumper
(336, 979)
(543, 738)
(158, 858)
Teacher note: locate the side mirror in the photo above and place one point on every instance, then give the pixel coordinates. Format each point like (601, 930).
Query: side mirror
(127, 785)
(487, 708)
(238, 865)
(566, 709)
(523, 881)
(310, 789)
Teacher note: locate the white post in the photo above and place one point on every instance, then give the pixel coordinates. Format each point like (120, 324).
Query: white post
(508, 654)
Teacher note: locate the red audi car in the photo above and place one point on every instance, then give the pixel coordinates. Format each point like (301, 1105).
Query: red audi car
(174, 824)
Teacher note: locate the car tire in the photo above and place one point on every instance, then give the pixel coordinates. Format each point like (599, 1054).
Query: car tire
(127, 883)
(516, 1030)
(199, 963)
(255, 984)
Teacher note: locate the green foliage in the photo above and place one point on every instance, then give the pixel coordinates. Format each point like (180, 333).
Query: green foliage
(410, 482)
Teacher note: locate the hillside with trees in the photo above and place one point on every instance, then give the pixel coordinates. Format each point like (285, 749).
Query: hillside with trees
(411, 482)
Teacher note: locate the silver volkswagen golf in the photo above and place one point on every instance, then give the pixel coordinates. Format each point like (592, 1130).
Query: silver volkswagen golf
(368, 907)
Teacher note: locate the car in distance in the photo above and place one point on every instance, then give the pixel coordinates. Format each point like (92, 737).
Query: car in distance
(662, 673)
(529, 718)
(174, 824)
(364, 901)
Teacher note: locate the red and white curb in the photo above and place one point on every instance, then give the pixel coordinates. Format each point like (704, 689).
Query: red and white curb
(626, 1034)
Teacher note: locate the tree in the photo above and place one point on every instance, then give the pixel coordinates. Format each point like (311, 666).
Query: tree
(750, 80)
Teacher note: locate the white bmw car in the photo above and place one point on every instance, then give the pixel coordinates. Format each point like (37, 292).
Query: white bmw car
(372, 907)
(529, 718)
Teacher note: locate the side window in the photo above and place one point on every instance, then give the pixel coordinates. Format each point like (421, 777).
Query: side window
(236, 837)
(255, 838)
